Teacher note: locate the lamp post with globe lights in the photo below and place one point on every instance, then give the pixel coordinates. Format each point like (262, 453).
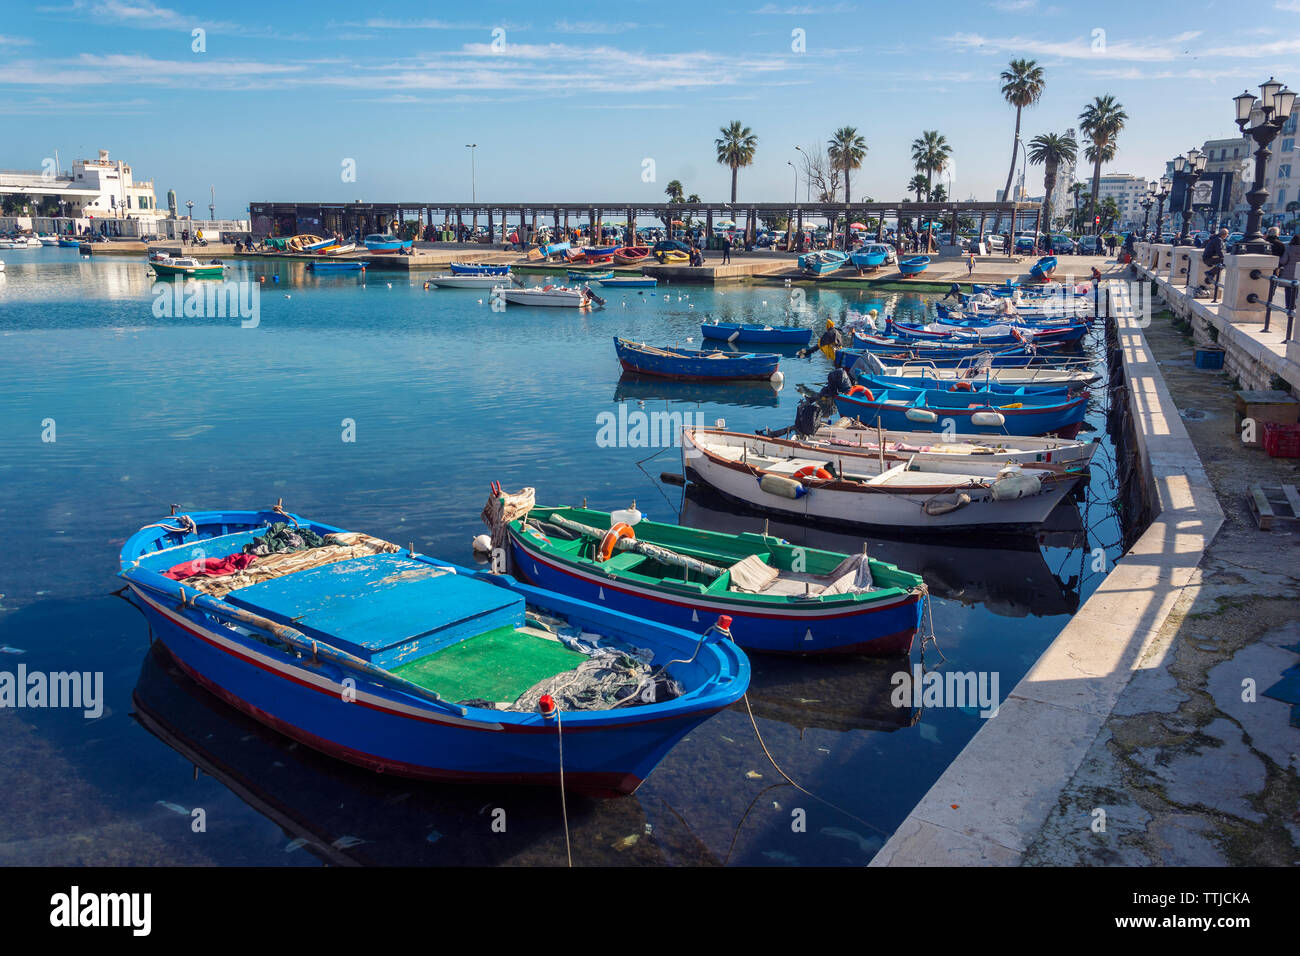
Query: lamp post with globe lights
(1261, 118)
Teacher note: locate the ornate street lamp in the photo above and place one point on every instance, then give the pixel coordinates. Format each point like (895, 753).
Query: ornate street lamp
(1165, 186)
(1261, 119)
(1147, 202)
(1190, 168)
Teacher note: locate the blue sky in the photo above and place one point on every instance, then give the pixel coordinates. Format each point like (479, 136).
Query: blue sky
(567, 101)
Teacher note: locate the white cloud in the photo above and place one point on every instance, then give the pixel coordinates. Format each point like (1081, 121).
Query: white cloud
(772, 9)
(594, 27)
(1013, 6)
(1077, 48)
(13, 41)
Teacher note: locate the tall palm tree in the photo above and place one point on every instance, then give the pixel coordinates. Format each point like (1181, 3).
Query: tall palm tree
(1049, 151)
(847, 150)
(917, 185)
(736, 147)
(1022, 85)
(930, 153)
(1101, 122)
(674, 191)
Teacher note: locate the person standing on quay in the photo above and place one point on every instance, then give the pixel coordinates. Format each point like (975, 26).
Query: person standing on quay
(1290, 269)
(726, 249)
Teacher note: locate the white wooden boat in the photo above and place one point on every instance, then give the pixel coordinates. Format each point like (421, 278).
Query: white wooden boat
(847, 488)
(449, 281)
(551, 295)
(49, 240)
(342, 250)
(847, 434)
(923, 371)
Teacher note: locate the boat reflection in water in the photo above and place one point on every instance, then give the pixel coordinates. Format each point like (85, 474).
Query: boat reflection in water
(346, 816)
(846, 693)
(749, 394)
(1007, 574)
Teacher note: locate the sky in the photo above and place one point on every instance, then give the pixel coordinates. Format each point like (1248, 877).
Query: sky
(584, 102)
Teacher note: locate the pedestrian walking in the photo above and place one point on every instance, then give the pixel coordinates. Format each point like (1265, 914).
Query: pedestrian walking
(726, 249)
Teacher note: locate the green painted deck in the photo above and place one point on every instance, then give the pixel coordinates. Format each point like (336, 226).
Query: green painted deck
(496, 665)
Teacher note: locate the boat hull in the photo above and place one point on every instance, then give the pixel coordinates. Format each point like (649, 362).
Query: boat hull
(695, 367)
(733, 332)
(1062, 420)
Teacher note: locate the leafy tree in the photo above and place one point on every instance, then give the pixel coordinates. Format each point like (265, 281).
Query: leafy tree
(1049, 151)
(1101, 122)
(736, 147)
(846, 150)
(1022, 86)
(674, 191)
(930, 154)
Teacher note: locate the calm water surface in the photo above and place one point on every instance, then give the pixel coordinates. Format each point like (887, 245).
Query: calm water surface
(446, 396)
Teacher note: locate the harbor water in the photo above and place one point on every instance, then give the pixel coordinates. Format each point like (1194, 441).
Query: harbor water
(371, 403)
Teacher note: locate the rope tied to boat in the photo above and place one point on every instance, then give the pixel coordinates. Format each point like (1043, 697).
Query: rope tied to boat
(549, 709)
(279, 509)
(187, 526)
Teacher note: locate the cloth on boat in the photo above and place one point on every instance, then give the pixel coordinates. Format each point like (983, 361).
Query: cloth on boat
(851, 576)
(615, 674)
(340, 546)
(280, 537)
(752, 574)
(502, 508)
(209, 567)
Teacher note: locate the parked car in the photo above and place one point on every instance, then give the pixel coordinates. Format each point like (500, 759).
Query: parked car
(1089, 245)
(1064, 245)
(1026, 243)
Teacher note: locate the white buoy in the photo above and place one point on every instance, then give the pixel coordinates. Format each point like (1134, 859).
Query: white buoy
(777, 377)
(483, 544)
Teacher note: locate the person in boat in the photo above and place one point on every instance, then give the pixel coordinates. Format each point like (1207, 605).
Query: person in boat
(954, 292)
(1006, 307)
(831, 340)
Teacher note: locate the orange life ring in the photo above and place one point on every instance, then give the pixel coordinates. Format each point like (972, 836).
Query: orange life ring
(612, 537)
(809, 471)
(863, 391)
(960, 387)
(1015, 334)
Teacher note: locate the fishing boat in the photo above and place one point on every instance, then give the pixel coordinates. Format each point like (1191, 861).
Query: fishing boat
(576, 275)
(386, 243)
(600, 252)
(1033, 292)
(988, 334)
(70, 243)
(478, 269)
(550, 295)
(404, 664)
(303, 242)
(186, 266)
(864, 437)
(554, 249)
(767, 334)
(1018, 312)
(49, 240)
(630, 282)
(913, 266)
(631, 255)
(672, 257)
(350, 265)
(780, 598)
(936, 347)
(1042, 269)
(877, 383)
(966, 413)
(449, 281)
(693, 364)
(846, 488)
(869, 257)
(960, 356)
(822, 263)
(2, 265)
(926, 374)
(325, 245)
(342, 250)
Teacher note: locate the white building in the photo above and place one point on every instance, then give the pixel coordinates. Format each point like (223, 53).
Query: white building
(95, 189)
(1282, 177)
(1128, 191)
(1235, 156)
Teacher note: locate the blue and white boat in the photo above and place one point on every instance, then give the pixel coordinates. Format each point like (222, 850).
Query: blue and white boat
(1042, 269)
(995, 335)
(339, 265)
(766, 334)
(629, 282)
(693, 364)
(576, 275)
(387, 244)
(478, 269)
(913, 266)
(69, 243)
(869, 256)
(952, 356)
(822, 263)
(969, 413)
(403, 664)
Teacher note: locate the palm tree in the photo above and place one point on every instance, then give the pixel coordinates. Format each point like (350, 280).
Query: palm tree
(674, 191)
(1049, 151)
(930, 152)
(736, 147)
(847, 150)
(1022, 85)
(1101, 122)
(917, 185)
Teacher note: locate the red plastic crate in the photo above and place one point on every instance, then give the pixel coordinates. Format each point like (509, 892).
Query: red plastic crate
(1282, 441)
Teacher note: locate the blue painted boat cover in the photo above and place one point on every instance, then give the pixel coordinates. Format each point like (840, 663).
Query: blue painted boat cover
(384, 608)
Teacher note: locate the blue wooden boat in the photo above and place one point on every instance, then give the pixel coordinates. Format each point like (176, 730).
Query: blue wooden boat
(339, 265)
(600, 252)
(779, 596)
(966, 413)
(70, 243)
(630, 282)
(554, 248)
(579, 276)
(1060, 334)
(1030, 317)
(1042, 269)
(386, 243)
(869, 257)
(822, 263)
(401, 664)
(478, 269)
(768, 334)
(953, 356)
(878, 383)
(692, 364)
(913, 266)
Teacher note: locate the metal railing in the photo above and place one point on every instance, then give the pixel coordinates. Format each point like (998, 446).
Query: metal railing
(1274, 283)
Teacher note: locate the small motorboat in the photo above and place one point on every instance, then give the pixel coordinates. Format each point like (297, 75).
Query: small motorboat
(554, 249)
(630, 282)
(186, 266)
(49, 240)
(913, 266)
(870, 256)
(347, 265)
(925, 374)
(1004, 334)
(576, 275)
(849, 433)
(387, 244)
(325, 245)
(403, 664)
(767, 334)
(550, 295)
(673, 257)
(631, 255)
(595, 253)
(1014, 412)
(781, 598)
(342, 250)
(478, 269)
(822, 263)
(1042, 269)
(450, 281)
(843, 487)
(70, 243)
(694, 364)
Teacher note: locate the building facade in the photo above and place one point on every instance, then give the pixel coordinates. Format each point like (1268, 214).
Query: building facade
(1282, 179)
(1128, 191)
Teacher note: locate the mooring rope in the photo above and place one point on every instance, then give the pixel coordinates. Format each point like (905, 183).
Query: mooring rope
(564, 806)
(187, 526)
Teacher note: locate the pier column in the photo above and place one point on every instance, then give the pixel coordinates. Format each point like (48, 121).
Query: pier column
(1164, 260)
(492, 234)
(1243, 295)
(1181, 265)
(880, 226)
(799, 227)
(980, 237)
(460, 224)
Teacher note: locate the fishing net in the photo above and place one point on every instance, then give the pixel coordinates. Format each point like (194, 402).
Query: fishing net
(500, 510)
